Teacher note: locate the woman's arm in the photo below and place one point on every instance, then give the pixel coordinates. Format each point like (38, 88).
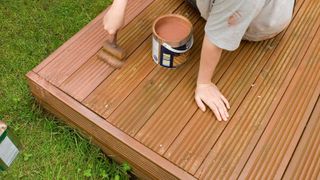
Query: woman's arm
(207, 92)
(210, 56)
(114, 18)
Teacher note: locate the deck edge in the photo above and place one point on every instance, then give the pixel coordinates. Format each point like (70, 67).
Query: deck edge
(48, 93)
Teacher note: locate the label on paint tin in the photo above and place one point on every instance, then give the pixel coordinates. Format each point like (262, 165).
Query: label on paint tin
(155, 50)
(166, 59)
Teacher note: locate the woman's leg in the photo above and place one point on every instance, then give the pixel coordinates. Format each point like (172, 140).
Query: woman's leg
(274, 18)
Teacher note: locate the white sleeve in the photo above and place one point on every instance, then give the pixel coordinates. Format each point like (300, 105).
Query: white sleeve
(228, 21)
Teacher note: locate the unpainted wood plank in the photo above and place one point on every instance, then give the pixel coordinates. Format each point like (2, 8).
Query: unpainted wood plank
(305, 163)
(191, 146)
(151, 135)
(81, 83)
(190, 149)
(111, 137)
(82, 46)
(173, 114)
(163, 127)
(276, 146)
(108, 96)
(236, 143)
(152, 91)
(297, 5)
(188, 155)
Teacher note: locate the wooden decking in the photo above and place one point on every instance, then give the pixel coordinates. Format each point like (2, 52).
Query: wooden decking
(146, 115)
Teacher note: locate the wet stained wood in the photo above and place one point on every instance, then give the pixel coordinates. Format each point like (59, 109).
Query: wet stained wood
(122, 82)
(81, 83)
(146, 115)
(66, 60)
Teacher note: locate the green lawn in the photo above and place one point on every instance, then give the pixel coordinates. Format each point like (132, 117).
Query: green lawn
(29, 31)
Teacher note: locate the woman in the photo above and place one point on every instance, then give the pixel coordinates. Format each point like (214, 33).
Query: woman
(228, 22)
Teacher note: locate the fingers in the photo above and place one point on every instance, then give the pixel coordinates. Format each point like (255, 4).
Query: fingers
(215, 110)
(219, 109)
(222, 110)
(225, 101)
(200, 103)
(222, 103)
(209, 94)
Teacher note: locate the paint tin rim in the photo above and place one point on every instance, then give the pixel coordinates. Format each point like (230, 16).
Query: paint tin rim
(173, 43)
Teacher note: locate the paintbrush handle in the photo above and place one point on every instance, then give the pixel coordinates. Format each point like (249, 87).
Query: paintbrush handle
(114, 50)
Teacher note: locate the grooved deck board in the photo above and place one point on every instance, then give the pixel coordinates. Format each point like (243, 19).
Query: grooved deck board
(151, 92)
(305, 163)
(65, 61)
(198, 136)
(81, 83)
(146, 115)
(274, 149)
(182, 108)
(231, 151)
(121, 83)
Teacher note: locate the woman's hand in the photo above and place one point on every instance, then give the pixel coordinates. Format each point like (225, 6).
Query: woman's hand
(210, 95)
(114, 18)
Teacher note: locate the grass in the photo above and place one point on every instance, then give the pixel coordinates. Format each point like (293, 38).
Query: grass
(29, 31)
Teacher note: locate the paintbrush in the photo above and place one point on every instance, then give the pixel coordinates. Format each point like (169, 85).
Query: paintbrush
(111, 53)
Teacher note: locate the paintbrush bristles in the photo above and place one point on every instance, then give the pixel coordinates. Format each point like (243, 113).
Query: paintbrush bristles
(111, 60)
(114, 50)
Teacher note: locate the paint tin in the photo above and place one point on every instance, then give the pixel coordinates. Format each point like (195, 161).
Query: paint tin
(171, 41)
(9, 147)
